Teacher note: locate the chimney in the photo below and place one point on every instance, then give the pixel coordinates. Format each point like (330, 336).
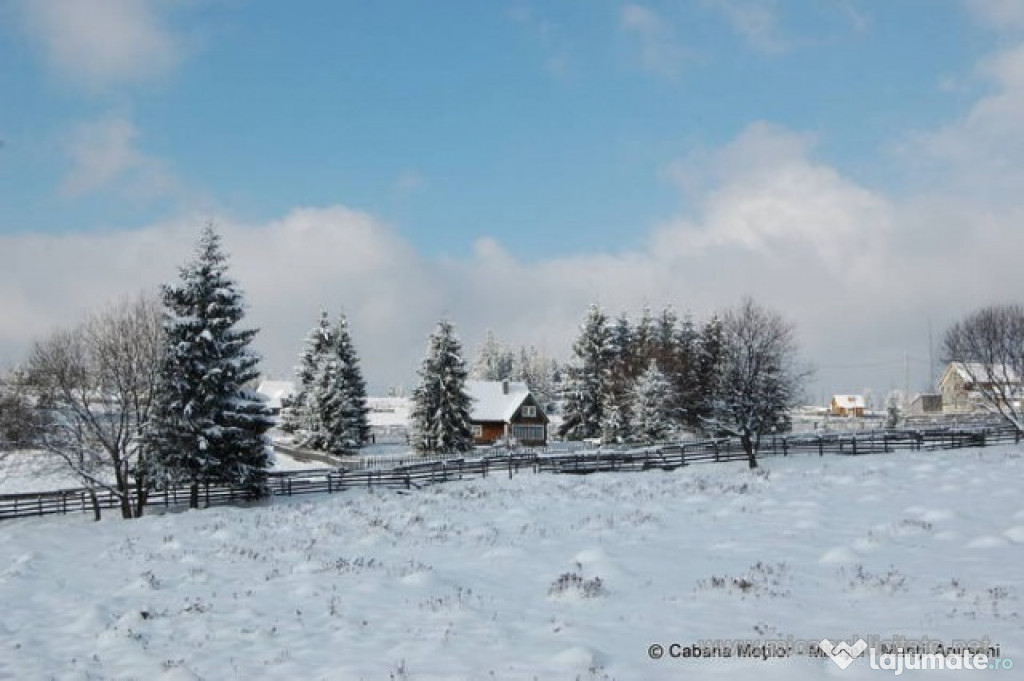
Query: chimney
(504, 387)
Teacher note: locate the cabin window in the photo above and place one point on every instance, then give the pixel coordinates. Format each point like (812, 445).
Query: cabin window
(528, 433)
(477, 430)
(529, 411)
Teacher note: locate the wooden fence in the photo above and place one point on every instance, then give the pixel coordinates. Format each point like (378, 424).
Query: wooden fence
(414, 475)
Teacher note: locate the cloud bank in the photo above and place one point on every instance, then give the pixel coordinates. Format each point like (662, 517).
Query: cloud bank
(862, 274)
(98, 43)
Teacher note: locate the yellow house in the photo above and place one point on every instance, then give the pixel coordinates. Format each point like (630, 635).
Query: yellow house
(847, 405)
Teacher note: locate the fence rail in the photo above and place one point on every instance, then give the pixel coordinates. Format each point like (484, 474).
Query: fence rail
(414, 474)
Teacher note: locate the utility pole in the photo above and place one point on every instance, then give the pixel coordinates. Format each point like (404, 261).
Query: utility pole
(906, 379)
(931, 359)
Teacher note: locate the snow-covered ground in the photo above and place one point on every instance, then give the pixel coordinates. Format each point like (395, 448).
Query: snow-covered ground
(538, 577)
(40, 471)
(29, 470)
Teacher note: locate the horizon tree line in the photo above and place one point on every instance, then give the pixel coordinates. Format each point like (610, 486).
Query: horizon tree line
(736, 375)
(158, 392)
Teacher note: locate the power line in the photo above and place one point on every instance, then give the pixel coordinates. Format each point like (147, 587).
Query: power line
(873, 365)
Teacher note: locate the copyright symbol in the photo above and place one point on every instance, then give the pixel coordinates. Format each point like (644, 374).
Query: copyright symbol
(655, 652)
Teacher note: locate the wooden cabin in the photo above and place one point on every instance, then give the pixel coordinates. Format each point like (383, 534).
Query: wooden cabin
(506, 411)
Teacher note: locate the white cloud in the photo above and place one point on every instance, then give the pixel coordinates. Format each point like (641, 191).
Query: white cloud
(756, 21)
(658, 49)
(982, 151)
(770, 198)
(859, 272)
(998, 14)
(104, 153)
(103, 42)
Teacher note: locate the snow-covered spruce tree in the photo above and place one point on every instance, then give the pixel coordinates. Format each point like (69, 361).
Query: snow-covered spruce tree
(345, 417)
(589, 378)
(758, 379)
(642, 343)
(685, 386)
(493, 361)
(300, 416)
(329, 409)
(206, 426)
(653, 417)
(616, 422)
(441, 406)
(707, 374)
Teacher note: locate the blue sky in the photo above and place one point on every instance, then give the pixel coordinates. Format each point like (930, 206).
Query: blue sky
(680, 152)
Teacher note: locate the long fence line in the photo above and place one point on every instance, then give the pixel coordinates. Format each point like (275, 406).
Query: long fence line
(411, 475)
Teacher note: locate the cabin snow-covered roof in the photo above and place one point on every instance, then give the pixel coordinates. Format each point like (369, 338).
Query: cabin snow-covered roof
(491, 402)
(276, 391)
(849, 401)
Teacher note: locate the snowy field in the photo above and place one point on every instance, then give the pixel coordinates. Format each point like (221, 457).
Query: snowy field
(40, 471)
(539, 577)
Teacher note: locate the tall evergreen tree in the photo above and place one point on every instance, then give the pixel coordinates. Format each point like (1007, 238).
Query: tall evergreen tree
(589, 378)
(642, 343)
(684, 382)
(441, 406)
(616, 422)
(349, 424)
(206, 425)
(653, 417)
(300, 414)
(493, 361)
(709, 358)
(329, 409)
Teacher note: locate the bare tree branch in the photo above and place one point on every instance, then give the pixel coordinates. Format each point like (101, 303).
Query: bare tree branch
(95, 382)
(988, 348)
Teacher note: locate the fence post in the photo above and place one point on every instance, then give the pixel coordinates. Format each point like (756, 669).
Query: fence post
(821, 446)
(854, 443)
(885, 442)
(714, 446)
(785, 446)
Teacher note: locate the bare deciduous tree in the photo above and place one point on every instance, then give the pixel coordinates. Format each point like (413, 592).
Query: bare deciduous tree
(95, 381)
(988, 346)
(759, 378)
